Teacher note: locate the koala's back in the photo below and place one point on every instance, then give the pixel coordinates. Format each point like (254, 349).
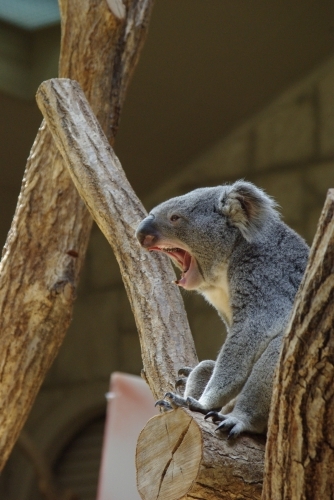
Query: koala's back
(269, 271)
(262, 279)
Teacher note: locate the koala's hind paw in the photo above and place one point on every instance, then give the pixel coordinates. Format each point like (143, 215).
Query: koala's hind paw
(215, 415)
(232, 425)
(171, 401)
(174, 400)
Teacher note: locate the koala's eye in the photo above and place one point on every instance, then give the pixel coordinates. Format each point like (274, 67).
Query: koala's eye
(174, 217)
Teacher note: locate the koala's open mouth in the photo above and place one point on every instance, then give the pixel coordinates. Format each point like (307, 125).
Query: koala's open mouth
(183, 259)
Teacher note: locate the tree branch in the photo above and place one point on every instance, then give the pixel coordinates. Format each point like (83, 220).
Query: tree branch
(46, 245)
(164, 333)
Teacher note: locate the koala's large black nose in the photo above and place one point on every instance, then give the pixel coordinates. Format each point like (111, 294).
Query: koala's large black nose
(147, 233)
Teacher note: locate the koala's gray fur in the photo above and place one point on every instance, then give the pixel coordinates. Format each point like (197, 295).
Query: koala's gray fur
(233, 248)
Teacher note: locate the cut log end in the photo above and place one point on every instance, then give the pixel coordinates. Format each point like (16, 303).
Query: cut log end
(180, 456)
(167, 471)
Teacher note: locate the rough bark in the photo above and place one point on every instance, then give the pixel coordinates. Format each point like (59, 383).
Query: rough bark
(161, 320)
(300, 447)
(47, 242)
(224, 469)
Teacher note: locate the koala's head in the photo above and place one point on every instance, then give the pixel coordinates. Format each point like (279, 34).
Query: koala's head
(200, 230)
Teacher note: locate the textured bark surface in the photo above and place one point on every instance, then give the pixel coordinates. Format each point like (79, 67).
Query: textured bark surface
(224, 469)
(165, 338)
(300, 448)
(49, 234)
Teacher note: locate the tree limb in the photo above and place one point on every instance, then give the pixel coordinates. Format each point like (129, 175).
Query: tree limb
(161, 320)
(46, 245)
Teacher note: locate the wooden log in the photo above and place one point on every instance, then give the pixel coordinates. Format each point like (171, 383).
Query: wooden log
(180, 456)
(220, 469)
(46, 245)
(300, 448)
(169, 470)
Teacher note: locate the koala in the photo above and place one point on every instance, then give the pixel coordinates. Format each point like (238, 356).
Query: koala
(233, 248)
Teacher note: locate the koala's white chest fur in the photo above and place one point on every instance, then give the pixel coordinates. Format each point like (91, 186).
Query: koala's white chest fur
(218, 294)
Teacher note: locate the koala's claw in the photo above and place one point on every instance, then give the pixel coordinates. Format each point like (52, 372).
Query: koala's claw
(169, 395)
(175, 400)
(231, 425)
(215, 415)
(234, 433)
(164, 405)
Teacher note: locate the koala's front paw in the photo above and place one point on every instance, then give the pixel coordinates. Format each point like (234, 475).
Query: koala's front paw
(233, 425)
(163, 404)
(175, 400)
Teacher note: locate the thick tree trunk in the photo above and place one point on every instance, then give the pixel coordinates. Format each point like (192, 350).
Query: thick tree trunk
(48, 238)
(300, 448)
(219, 469)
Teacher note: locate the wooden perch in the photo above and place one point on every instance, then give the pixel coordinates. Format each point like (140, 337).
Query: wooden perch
(179, 455)
(164, 333)
(46, 245)
(300, 448)
(220, 469)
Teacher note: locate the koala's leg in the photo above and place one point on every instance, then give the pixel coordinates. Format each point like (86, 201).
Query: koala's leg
(198, 379)
(251, 411)
(230, 373)
(195, 385)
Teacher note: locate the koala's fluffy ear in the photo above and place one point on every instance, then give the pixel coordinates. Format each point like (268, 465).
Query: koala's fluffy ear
(247, 208)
